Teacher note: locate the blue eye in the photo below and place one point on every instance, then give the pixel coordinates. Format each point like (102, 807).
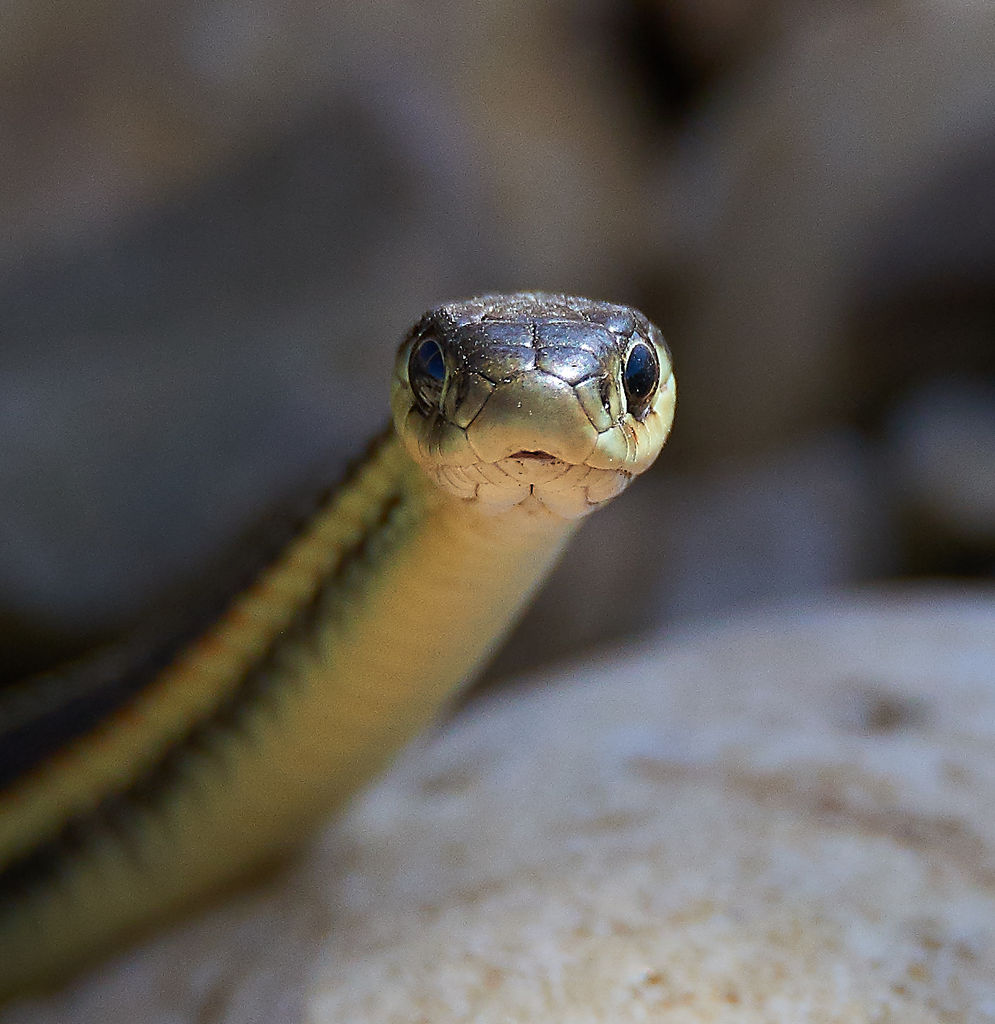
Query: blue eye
(640, 377)
(429, 361)
(427, 372)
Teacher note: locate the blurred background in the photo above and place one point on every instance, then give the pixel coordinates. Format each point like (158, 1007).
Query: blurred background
(220, 216)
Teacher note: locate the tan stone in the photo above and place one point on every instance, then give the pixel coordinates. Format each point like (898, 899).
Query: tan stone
(790, 817)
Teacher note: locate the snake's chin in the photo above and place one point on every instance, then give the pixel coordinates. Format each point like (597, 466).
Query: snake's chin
(533, 482)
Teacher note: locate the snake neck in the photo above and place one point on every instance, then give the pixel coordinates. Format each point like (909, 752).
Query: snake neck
(350, 641)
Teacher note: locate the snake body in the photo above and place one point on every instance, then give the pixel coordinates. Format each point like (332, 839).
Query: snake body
(513, 416)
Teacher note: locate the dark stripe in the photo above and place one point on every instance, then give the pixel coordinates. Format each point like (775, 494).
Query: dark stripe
(105, 683)
(120, 815)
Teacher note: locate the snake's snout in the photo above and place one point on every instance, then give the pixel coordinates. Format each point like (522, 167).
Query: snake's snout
(549, 402)
(532, 412)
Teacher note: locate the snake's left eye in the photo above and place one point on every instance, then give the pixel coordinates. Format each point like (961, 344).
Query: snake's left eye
(640, 377)
(427, 372)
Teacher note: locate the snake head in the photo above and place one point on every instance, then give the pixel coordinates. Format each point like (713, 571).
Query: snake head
(546, 401)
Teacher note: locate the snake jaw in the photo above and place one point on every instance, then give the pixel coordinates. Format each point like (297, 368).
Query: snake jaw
(534, 408)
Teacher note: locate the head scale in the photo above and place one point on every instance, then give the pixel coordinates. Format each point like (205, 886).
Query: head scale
(548, 402)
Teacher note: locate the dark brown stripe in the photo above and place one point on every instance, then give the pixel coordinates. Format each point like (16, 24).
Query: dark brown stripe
(105, 683)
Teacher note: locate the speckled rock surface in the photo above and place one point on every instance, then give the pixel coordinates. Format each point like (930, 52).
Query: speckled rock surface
(789, 817)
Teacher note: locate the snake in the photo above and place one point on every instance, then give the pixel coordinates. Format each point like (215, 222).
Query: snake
(130, 793)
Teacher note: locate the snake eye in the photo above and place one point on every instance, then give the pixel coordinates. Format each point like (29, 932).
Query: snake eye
(427, 372)
(640, 377)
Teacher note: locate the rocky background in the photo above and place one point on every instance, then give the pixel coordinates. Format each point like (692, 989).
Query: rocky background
(219, 216)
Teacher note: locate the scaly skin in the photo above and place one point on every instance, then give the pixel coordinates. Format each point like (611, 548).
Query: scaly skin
(346, 645)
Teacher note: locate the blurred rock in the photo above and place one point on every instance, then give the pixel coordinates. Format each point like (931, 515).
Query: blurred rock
(552, 103)
(942, 457)
(771, 530)
(791, 817)
(220, 219)
(160, 389)
(775, 207)
(110, 110)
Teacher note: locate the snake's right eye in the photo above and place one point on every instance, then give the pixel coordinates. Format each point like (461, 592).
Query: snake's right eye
(427, 373)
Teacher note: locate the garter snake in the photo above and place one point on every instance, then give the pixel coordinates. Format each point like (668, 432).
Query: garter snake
(513, 417)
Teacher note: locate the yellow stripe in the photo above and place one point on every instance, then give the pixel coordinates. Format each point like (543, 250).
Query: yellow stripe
(129, 742)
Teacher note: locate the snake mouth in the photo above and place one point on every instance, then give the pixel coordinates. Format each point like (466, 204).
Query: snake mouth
(534, 456)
